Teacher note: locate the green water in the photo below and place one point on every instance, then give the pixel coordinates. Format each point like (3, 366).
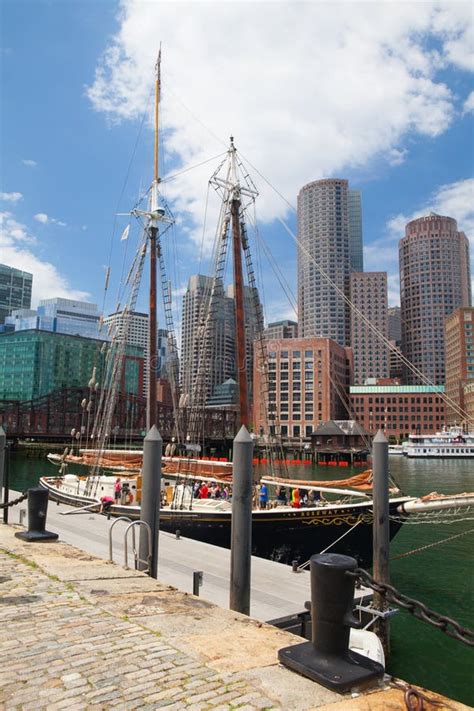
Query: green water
(441, 577)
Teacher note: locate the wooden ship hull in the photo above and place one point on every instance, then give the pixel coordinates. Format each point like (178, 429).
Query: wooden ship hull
(283, 534)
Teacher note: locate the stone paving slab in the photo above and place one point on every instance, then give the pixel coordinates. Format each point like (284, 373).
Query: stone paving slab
(105, 642)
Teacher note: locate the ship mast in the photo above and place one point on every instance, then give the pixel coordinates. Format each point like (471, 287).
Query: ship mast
(152, 231)
(231, 192)
(241, 351)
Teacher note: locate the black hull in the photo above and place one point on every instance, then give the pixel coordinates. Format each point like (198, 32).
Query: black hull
(288, 536)
(283, 535)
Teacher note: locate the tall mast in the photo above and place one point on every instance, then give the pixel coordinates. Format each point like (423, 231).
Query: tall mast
(231, 192)
(153, 230)
(241, 351)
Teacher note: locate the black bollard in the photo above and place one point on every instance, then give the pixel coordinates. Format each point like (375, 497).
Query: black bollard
(327, 659)
(37, 510)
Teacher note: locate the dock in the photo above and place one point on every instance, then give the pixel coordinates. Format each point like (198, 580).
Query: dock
(80, 632)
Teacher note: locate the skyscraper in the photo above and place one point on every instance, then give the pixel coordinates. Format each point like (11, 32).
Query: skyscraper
(220, 331)
(136, 324)
(221, 351)
(434, 281)
(356, 253)
(369, 295)
(323, 231)
(15, 290)
(77, 318)
(281, 329)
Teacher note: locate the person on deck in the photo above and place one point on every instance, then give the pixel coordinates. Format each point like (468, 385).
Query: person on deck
(204, 491)
(118, 489)
(295, 499)
(281, 496)
(105, 504)
(263, 496)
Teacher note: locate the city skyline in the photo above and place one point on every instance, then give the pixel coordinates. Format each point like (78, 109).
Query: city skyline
(64, 169)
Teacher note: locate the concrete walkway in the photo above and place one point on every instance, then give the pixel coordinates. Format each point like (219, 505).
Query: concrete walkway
(81, 633)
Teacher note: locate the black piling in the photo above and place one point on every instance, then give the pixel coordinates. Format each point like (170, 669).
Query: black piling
(241, 530)
(151, 498)
(381, 533)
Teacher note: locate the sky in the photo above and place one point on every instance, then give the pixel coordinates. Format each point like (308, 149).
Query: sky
(379, 93)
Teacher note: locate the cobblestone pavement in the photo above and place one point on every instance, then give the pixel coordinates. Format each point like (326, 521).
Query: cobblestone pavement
(81, 633)
(58, 651)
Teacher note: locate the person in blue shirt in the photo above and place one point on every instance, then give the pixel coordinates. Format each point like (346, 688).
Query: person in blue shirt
(263, 496)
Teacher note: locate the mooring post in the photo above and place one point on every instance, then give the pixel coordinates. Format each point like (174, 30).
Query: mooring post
(6, 480)
(327, 659)
(241, 531)
(3, 439)
(37, 512)
(381, 532)
(151, 498)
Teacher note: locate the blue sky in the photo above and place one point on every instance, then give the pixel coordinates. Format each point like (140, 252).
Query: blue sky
(379, 93)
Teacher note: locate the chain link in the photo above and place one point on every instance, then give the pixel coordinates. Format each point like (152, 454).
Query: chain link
(15, 501)
(416, 608)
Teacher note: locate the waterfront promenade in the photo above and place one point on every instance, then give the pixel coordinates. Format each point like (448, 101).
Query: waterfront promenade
(81, 633)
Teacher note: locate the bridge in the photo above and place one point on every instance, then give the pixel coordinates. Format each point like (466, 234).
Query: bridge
(52, 417)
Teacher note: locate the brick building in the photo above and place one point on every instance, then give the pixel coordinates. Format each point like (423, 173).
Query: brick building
(398, 409)
(308, 380)
(459, 345)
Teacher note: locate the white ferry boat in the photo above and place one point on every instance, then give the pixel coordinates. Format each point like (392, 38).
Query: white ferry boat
(452, 442)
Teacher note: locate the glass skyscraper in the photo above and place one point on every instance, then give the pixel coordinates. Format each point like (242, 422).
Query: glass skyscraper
(15, 290)
(35, 363)
(356, 253)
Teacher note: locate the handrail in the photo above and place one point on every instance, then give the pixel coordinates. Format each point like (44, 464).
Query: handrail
(120, 518)
(136, 554)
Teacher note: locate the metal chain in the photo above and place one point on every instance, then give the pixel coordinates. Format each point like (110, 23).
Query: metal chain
(414, 698)
(15, 501)
(416, 608)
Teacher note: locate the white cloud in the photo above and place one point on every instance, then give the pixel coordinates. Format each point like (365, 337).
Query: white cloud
(453, 200)
(16, 243)
(30, 163)
(47, 220)
(307, 89)
(11, 197)
(468, 107)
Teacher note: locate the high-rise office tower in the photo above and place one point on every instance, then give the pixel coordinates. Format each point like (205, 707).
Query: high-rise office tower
(221, 331)
(77, 318)
(369, 295)
(395, 368)
(323, 232)
(356, 253)
(434, 281)
(281, 329)
(135, 324)
(459, 341)
(253, 319)
(15, 290)
(395, 324)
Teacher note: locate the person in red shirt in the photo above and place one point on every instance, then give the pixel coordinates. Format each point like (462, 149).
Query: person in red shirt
(204, 491)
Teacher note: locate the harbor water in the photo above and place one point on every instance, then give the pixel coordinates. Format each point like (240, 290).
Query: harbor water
(440, 576)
